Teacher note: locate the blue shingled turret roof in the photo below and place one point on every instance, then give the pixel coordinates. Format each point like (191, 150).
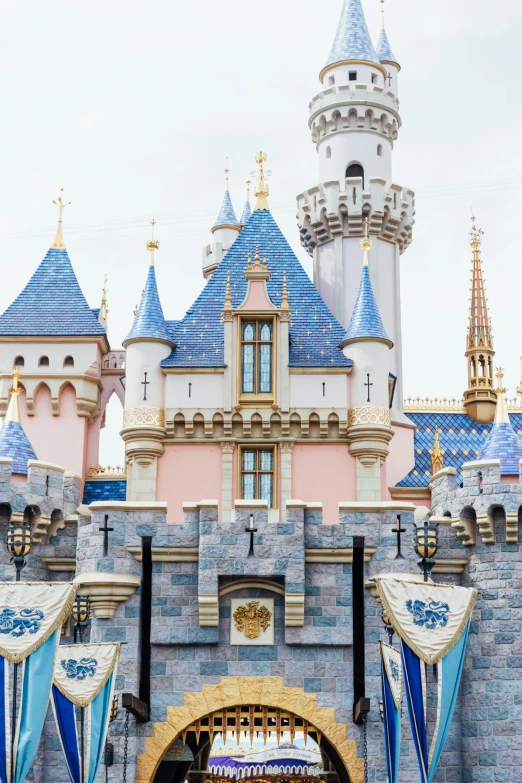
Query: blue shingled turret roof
(149, 323)
(352, 39)
(227, 216)
(384, 50)
(247, 213)
(315, 334)
(502, 442)
(366, 322)
(14, 443)
(51, 304)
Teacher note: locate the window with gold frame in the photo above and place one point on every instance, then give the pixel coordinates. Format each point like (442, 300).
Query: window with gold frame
(257, 359)
(257, 471)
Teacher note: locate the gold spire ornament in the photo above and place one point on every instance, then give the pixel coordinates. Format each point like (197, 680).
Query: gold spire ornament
(437, 460)
(501, 413)
(227, 172)
(366, 242)
(248, 191)
(58, 240)
(284, 298)
(104, 310)
(153, 245)
(262, 190)
(13, 410)
(228, 295)
(382, 14)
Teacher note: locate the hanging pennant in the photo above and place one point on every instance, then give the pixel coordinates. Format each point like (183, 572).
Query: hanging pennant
(84, 676)
(31, 616)
(430, 618)
(391, 681)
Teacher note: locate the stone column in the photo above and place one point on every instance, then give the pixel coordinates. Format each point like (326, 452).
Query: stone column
(286, 474)
(143, 432)
(284, 353)
(369, 433)
(227, 478)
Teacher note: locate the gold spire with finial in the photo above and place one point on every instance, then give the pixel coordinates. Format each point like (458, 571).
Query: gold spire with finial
(257, 270)
(284, 298)
(437, 460)
(501, 413)
(153, 245)
(228, 295)
(479, 397)
(262, 190)
(13, 410)
(227, 172)
(382, 14)
(58, 240)
(104, 309)
(248, 191)
(366, 242)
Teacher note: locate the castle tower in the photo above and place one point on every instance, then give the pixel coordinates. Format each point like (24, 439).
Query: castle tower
(369, 424)
(479, 397)
(147, 344)
(225, 232)
(354, 122)
(14, 443)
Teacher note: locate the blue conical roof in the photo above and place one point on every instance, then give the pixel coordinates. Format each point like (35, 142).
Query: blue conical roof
(14, 443)
(366, 322)
(247, 213)
(502, 442)
(384, 50)
(149, 323)
(352, 39)
(52, 303)
(227, 216)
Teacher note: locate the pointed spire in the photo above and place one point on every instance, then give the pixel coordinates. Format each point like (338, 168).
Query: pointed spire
(103, 315)
(383, 49)
(247, 209)
(58, 240)
(228, 295)
(479, 326)
(284, 298)
(437, 460)
(14, 443)
(366, 322)
(149, 323)
(502, 442)
(227, 216)
(262, 190)
(352, 41)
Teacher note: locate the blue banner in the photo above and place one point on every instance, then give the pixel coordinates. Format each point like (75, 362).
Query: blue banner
(416, 708)
(392, 727)
(65, 720)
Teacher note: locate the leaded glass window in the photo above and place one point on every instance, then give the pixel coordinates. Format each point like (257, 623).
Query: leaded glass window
(257, 474)
(257, 357)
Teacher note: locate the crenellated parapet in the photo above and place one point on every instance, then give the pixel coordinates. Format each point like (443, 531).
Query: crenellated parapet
(339, 209)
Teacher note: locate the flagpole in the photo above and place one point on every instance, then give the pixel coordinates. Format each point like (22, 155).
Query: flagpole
(81, 613)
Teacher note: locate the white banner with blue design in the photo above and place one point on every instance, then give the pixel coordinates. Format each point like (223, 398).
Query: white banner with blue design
(84, 677)
(433, 623)
(391, 681)
(31, 617)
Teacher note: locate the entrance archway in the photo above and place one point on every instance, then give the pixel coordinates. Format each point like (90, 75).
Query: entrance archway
(242, 692)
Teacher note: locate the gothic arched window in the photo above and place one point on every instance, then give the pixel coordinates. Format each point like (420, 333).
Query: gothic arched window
(355, 170)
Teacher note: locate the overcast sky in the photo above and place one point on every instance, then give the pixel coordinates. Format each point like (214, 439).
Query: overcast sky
(134, 106)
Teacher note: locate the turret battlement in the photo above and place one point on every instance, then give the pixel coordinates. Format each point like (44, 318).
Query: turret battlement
(331, 209)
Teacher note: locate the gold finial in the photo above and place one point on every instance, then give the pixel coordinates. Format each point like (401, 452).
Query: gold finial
(248, 190)
(257, 260)
(284, 298)
(228, 295)
(249, 261)
(104, 310)
(13, 410)
(382, 14)
(501, 412)
(153, 245)
(476, 235)
(500, 377)
(227, 172)
(366, 242)
(135, 311)
(264, 261)
(262, 190)
(437, 460)
(58, 240)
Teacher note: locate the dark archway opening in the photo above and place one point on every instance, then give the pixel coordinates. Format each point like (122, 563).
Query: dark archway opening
(355, 170)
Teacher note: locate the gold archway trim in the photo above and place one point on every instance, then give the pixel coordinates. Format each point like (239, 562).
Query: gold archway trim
(233, 691)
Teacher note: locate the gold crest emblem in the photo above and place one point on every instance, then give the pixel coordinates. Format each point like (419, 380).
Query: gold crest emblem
(252, 619)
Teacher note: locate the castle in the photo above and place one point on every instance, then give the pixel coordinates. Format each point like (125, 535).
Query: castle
(267, 447)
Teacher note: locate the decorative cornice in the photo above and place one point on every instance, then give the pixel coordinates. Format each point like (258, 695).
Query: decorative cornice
(287, 447)
(336, 555)
(228, 447)
(167, 555)
(144, 417)
(285, 316)
(106, 591)
(370, 414)
(60, 564)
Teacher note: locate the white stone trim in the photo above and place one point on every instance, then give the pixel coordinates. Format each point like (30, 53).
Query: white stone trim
(376, 507)
(127, 505)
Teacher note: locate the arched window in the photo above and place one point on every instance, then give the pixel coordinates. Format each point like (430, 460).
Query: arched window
(19, 361)
(68, 361)
(328, 152)
(355, 170)
(482, 367)
(379, 150)
(43, 361)
(331, 81)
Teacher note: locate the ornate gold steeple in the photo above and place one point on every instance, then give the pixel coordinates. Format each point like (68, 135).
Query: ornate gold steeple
(479, 398)
(153, 245)
(262, 190)
(58, 240)
(103, 315)
(437, 460)
(13, 410)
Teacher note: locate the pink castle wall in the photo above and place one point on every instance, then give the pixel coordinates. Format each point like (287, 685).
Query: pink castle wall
(188, 472)
(323, 473)
(57, 439)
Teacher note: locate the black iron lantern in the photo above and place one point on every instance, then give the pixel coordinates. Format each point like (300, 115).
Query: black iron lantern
(18, 543)
(81, 613)
(387, 622)
(426, 546)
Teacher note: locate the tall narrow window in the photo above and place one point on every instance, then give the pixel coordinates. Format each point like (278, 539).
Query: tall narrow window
(374, 78)
(43, 361)
(328, 152)
(352, 76)
(256, 356)
(257, 474)
(331, 81)
(19, 361)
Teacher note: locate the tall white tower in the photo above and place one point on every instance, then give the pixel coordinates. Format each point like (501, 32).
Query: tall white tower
(354, 122)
